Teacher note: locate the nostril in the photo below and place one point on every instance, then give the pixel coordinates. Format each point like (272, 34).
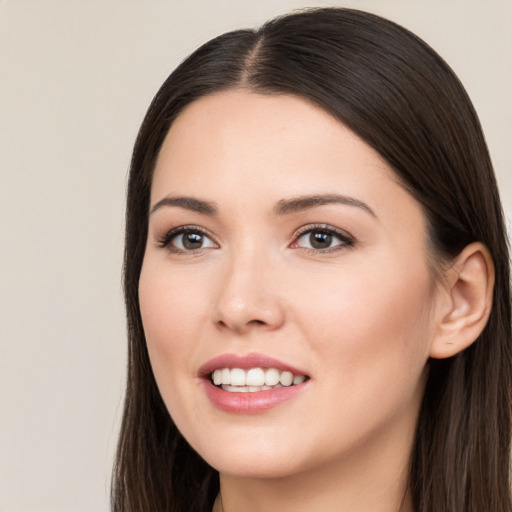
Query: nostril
(238, 315)
(223, 324)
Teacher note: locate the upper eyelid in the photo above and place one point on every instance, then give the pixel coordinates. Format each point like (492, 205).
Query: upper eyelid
(164, 239)
(346, 239)
(322, 227)
(188, 227)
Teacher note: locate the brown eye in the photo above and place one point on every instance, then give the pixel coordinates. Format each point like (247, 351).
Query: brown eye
(323, 239)
(320, 240)
(192, 240)
(187, 240)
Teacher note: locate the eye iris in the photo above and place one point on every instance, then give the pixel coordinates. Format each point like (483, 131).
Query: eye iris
(320, 240)
(192, 240)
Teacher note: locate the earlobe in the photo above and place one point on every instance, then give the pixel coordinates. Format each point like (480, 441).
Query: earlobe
(469, 289)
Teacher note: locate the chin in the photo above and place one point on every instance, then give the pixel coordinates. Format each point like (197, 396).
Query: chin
(257, 460)
(254, 469)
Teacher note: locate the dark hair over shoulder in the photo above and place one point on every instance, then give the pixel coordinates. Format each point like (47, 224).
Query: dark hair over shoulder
(399, 96)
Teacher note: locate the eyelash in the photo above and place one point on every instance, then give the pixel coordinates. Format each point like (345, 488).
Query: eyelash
(347, 241)
(165, 241)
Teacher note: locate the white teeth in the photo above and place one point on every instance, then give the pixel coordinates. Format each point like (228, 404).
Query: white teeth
(286, 378)
(254, 379)
(258, 388)
(226, 376)
(237, 377)
(247, 389)
(271, 377)
(298, 379)
(217, 377)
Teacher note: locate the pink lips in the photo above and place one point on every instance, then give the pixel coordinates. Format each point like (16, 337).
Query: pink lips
(248, 403)
(245, 362)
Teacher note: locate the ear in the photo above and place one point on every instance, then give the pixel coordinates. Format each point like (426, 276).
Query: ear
(467, 301)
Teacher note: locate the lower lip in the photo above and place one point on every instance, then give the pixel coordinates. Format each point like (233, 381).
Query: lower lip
(251, 402)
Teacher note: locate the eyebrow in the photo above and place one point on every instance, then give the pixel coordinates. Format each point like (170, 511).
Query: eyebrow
(287, 206)
(282, 207)
(188, 203)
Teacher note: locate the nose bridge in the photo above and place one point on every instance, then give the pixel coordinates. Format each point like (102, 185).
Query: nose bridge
(247, 292)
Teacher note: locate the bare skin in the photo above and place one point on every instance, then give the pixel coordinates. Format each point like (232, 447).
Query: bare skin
(296, 241)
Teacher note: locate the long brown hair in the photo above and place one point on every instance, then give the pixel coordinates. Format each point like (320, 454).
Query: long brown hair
(398, 95)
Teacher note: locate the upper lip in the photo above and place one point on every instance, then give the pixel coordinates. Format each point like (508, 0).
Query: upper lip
(245, 362)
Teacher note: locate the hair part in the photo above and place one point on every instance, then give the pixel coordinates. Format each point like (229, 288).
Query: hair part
(402, 99)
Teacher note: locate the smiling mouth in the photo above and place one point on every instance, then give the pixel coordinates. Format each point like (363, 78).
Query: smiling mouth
(238, 380)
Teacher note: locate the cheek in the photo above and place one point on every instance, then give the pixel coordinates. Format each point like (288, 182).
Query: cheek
(371, 327)
(173, 318)
(172, 306)
(369, 337)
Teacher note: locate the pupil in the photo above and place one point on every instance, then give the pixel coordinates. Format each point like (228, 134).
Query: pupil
(320, 240)
(192, 240)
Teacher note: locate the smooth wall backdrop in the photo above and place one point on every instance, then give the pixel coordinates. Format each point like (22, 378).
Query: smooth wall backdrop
(75, 79)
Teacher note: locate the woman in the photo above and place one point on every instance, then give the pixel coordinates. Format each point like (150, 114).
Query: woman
(317, 281)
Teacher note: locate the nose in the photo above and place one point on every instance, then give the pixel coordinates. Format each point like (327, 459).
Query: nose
(248, 296)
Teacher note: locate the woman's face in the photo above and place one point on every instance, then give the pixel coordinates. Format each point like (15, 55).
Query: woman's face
(281, 243)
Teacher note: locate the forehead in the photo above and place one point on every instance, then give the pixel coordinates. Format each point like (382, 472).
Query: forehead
(282, 145)
(250, 138)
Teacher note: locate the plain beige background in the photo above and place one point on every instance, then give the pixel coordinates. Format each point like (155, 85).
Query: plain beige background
(75, 79)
